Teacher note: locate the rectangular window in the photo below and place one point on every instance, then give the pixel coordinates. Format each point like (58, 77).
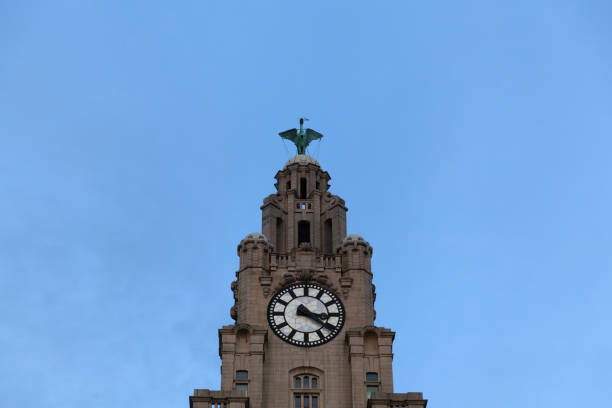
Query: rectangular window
(371, 389)
(315, 402)
(244, 387)
(306, 401)
(314, 382)
(373, 377)
(298, 382)
(242, 375)
(298, 401)
(306, 383)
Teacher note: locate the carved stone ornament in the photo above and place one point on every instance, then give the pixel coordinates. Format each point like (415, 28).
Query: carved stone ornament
(346, 284)
(305, 246)
(265, 281)
(305, 274)
(287, 279)
(234, 287)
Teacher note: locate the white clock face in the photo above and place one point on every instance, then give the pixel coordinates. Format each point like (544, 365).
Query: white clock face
(305, 314)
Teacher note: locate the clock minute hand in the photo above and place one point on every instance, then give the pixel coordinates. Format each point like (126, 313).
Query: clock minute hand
(303, 310)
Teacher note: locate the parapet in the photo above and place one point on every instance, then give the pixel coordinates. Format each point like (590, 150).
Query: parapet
(396, 400)
(218, 399)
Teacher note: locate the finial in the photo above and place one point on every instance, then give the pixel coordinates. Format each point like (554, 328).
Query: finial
(301, 138)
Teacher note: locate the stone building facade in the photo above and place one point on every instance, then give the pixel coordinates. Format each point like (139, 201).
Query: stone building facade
(304, 333)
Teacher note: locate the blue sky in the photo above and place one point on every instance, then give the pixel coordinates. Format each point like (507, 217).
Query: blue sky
(471, 141)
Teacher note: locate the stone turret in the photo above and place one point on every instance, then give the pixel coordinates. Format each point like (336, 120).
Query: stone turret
(254, 252)
(356, 255)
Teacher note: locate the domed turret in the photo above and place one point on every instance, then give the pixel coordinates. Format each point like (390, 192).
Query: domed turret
(356, 255)
(255, 236)
(254, 251)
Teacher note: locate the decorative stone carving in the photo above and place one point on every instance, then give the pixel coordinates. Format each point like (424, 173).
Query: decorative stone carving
(305, 274)
(265, 281)
(345, 284)
(305, 246)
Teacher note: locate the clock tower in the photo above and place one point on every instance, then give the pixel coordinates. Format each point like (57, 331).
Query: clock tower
(304, 333)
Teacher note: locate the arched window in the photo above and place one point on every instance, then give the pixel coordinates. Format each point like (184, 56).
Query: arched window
(303, 232)
(306, 391)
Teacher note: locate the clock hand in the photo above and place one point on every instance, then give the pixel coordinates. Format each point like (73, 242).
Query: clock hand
(303, 310)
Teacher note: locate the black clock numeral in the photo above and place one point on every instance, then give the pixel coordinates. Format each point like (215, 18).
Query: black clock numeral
(334, 314)
(281, 325)
(319, 294)
(292, 293)
(282, 302)
(331, 302)
(292, 333)
(305, 337)
(282, 313)
(320, 334)
(306, 291)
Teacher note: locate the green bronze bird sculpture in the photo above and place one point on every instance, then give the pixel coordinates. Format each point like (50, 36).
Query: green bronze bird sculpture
(301, 138)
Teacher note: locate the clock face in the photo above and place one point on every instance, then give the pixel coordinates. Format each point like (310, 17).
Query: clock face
(305, 314)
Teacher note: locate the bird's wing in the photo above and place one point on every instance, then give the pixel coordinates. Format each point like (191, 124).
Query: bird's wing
(313, 134)
(290, 134)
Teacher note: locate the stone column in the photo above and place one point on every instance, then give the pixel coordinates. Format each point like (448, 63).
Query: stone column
(385, 353)
(256, 358)
(356, 354)
(227, 351)
(316, 207)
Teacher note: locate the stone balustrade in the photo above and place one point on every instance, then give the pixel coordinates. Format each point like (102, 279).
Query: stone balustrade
(283, 260)
(218, 399)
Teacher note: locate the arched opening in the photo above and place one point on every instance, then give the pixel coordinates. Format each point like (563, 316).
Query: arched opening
(327, 236)
(307, 386)
(280, 238)
(303, 185)
(303, 232)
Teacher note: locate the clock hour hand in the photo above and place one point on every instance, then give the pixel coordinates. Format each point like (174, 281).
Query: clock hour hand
(303, 311)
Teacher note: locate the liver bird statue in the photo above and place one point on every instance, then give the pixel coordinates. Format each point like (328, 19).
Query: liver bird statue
(301, 138)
